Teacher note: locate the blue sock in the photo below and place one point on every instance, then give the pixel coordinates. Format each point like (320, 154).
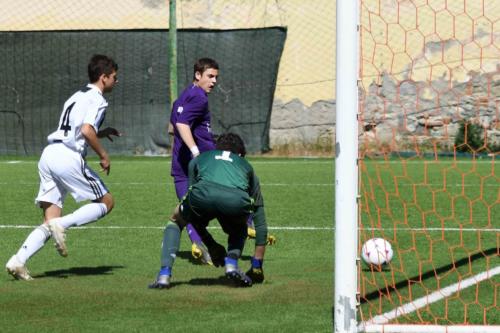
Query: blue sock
(257, 263)
(165, 271)
(231, 261)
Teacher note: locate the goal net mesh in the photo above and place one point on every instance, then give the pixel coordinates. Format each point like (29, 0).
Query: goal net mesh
(429, 176)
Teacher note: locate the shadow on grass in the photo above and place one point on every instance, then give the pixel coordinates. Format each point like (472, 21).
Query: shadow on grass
(426, 275)
(219, 281)
(80, 271)
(186, 255)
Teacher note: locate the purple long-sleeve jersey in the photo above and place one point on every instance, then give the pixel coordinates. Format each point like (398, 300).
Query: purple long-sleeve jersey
(191, 108)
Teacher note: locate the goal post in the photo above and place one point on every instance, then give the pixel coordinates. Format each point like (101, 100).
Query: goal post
(346, 170)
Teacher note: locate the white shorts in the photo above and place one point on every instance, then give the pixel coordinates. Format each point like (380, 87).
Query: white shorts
(63, 170)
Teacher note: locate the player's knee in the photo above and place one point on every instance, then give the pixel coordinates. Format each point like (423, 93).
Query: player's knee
(108, 200)
(50, 211)
(177, 218)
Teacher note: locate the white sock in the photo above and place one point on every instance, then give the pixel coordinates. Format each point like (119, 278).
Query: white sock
(83, 215)
(34, 242)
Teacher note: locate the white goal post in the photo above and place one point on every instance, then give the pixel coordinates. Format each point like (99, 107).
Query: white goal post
(346, 170)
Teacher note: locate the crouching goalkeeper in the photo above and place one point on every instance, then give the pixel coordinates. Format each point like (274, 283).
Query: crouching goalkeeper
(223, 185)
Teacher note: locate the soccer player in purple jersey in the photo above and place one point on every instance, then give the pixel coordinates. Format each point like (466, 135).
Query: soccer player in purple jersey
(190, 126)
(190, 123)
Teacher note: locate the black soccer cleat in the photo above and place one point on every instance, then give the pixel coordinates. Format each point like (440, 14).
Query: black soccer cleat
(239, 278)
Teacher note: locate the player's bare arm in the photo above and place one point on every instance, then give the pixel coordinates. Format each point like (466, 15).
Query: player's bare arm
(260, 250)
(92, 139)
(108, 132)
(187, 137)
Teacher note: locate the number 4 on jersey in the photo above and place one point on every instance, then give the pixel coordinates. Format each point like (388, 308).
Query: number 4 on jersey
(65, 121)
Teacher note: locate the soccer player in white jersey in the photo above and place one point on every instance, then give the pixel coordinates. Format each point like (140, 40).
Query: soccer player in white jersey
(63, 169)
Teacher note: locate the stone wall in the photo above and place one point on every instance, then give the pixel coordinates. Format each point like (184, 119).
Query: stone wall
(302, 130)
(394, 114)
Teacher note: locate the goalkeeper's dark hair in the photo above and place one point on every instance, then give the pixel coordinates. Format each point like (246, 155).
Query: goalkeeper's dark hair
(100, 64)
(231, 142)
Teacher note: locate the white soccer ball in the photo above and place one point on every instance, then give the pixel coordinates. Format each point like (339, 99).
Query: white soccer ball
(377, 251)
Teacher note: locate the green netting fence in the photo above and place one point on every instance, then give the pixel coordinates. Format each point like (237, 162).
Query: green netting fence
(39, 70)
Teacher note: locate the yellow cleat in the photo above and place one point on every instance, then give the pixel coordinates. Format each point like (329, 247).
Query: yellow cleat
(200, 252)
(251, 232)
(196, 251)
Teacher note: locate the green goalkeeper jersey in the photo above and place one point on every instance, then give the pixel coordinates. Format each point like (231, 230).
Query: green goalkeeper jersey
(221, 167)
(233, 171)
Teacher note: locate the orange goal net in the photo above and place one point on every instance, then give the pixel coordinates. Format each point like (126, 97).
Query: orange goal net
(429, 177)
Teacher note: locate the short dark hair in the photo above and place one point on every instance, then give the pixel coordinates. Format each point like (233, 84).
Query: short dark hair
(231, 142)
(202, 64)
(100, 64)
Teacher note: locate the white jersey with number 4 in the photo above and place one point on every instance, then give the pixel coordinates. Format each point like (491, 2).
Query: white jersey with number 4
(86, 106)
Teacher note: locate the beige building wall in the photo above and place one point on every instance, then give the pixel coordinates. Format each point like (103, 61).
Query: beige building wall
(418, 40)
(307, 68)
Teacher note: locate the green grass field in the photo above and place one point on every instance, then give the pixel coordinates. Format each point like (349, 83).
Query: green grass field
(102, 285)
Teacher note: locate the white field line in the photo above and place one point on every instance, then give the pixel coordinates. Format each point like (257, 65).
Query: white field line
(437, 185)
(298, 160)
(432, 162)
(432, 298)
(279, 228)
(290, 161)
(400, 328)
(433, 229)
(164, 184)
(4, 226)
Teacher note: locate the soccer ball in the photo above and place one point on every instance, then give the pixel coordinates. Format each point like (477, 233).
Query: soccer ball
(377, 251)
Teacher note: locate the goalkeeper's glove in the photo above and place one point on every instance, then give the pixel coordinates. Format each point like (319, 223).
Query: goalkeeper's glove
(217, 253)
(271, 240)
(256, 272)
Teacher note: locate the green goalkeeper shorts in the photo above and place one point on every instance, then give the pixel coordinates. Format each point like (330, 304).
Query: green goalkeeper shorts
(206, 201)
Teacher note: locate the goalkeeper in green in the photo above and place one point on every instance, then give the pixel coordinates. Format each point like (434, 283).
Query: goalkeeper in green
(222, 185)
